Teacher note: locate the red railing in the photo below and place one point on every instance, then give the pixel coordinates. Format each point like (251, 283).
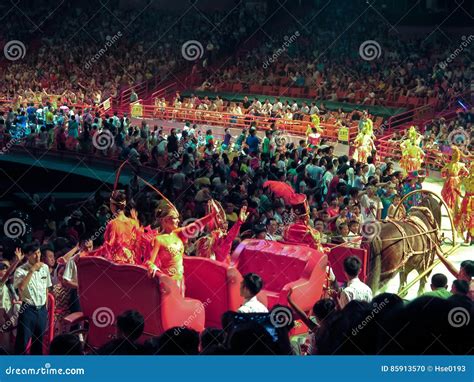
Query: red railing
(434, 159)
(163, 92)
(224, 119)
(410, 116)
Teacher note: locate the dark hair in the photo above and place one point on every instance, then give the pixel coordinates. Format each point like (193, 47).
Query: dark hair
(468, 266)
(66, 344)
(253, 283)
(131, 323)
(439, 280)
(178, 341)
(251, 339)
(324, 308)
(30, 248)
(212, 337)
(352, 265)
(461, 286)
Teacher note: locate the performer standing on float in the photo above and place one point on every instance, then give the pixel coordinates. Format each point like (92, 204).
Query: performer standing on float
(218, 244)
(168, 246)
(451, 191)
(412, 154)
(364, 144)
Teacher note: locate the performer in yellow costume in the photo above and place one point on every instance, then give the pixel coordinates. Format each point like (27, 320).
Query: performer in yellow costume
(364, 144)
(168, 246)
(454, 171)
(467, 206)
(313, 132)
(412, 154)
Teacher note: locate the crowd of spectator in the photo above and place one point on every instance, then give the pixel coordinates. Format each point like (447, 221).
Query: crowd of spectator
(321, 52)
(87, 58)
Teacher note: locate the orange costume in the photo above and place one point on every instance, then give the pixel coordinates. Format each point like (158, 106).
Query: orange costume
(467, 204)
(412, 154)
(119, 240)
(451, 191)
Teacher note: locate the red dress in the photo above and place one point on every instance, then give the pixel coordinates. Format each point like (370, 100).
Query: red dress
(119, 240)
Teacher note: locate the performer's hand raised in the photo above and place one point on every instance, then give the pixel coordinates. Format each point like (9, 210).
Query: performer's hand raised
(243, 215)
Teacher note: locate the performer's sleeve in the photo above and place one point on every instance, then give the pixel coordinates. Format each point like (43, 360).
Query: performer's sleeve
(225, 244)
(197, 225)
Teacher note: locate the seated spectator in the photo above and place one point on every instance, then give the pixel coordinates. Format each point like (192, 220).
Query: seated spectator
(249, 288)
(130, 326)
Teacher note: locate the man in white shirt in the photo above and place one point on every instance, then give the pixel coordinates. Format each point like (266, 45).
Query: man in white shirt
(355, 289)
(249, 288)
(32, 280)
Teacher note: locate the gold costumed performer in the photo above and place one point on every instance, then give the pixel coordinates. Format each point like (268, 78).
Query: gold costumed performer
(454, 171)
(364, 144)
(467, 205)
(168, 246)
(412, 154)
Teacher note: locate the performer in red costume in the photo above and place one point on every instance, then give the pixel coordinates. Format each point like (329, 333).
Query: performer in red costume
(298, 232)
(218, 244)
(120, 234)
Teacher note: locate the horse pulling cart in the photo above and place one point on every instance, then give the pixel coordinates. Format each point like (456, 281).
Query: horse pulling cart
(401, 246)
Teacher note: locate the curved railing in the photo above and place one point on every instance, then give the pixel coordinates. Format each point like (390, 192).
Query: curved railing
(225, 119)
